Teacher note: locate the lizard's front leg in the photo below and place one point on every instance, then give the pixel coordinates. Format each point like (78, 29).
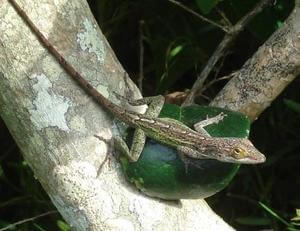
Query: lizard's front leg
(184, 151)
(199, 127)
(155, 104)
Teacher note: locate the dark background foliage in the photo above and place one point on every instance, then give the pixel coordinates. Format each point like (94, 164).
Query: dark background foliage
(177, 46)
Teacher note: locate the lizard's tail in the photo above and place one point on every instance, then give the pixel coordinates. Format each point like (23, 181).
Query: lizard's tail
(64, 63)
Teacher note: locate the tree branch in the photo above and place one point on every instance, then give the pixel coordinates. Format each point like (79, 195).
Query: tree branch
(222, 48)
(264, 76)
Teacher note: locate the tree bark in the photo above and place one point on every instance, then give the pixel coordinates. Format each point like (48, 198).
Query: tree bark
(54, 122)
(266, 74)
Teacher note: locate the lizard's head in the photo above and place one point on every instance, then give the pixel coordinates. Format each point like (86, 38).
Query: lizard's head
(238, 150)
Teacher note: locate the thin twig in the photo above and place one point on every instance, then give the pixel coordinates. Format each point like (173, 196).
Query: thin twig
(226, 20)
(199, 15)
(28, 219)
(214, 80)
(206, 86)
(141, 68)
(243, 198)
(221, 49)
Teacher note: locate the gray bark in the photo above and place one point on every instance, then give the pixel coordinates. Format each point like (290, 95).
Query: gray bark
(266, 74)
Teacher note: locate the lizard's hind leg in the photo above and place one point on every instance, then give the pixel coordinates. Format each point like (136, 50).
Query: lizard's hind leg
(108, 153)
(137, 146)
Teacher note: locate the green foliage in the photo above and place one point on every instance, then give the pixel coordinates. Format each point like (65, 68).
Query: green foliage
(253, 221)
(268, 21)
(1, 172)
(292, 105)
(63, 226)
(22, 197)
(207, 5)
(289, 226)
(178, 44)
(296, 220)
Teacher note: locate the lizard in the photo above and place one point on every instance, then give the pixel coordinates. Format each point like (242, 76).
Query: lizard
(188, 142)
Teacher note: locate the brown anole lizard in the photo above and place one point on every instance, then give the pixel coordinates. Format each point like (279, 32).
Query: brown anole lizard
(188, 142)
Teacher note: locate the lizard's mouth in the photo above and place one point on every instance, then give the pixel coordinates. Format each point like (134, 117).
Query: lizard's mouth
(246, 160)
(261, 159)
(256, 160)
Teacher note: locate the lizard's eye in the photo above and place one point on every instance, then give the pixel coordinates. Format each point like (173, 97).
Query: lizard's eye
(239, 152)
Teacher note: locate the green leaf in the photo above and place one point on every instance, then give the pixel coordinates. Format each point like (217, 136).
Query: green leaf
(207, 5)
(175, 51)
(63, 226)
(267, 21)
(38, 227)
(297, 217)
(253, 220)
(181, 57)
(298, 212)
(1, 171)
(274, 214)
(293, 105)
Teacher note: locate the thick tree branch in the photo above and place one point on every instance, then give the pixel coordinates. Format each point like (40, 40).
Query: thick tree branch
(264, 76)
